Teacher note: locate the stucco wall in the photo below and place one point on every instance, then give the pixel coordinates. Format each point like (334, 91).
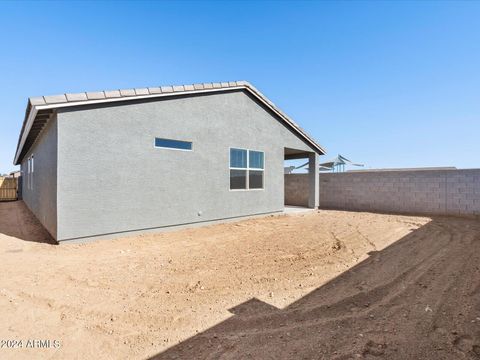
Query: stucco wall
(41, 198)
(440, 192)
(112, 179)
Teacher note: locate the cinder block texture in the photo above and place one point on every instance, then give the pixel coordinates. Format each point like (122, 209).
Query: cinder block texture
(430, 192)
(296, 189)
(436, 192)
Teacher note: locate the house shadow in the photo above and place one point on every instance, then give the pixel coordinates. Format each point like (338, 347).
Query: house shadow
(16, 220)
(418, 298)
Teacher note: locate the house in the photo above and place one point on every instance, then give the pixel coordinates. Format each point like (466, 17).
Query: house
(108, 163)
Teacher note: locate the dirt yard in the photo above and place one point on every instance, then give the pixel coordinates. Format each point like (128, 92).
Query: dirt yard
(318, 285)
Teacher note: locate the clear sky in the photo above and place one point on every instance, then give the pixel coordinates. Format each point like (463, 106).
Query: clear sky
(388, 84)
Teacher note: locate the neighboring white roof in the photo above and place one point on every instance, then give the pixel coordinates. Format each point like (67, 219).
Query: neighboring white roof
(42, 103)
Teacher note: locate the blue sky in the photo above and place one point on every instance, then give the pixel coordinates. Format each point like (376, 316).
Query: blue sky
(389, 84)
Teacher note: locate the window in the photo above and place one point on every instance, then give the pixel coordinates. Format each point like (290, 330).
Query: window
(28, 173)
(255, 179)
(238, 158)
(255, 159)
(30, 167)
(238, 179)
(246, 169)
(173, 144)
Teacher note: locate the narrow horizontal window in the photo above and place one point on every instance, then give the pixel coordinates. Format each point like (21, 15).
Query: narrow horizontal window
(173, 144)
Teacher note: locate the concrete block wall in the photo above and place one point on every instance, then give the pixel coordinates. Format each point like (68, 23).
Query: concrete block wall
(296, 189)
(432, 192)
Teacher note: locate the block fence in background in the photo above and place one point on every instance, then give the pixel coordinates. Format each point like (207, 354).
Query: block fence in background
(296, 189)
(433, 192)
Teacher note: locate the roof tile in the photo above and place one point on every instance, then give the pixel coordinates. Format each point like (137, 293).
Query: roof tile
(142, 91)
(155, 90)
(127, 92)
(55, 99)
(37, 100)
(95, 95)
(167, 89)
(76, 97)
(112, 94)
(243, 83)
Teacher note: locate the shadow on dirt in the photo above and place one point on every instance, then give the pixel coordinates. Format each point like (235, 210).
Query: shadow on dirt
(17, 220)
(419, 298)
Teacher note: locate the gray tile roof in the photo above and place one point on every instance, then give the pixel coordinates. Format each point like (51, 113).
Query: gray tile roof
(40, 103)
(111, 94)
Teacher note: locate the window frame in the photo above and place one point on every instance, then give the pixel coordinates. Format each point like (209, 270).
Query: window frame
(247, 169)
(30, 171)
(171, 148)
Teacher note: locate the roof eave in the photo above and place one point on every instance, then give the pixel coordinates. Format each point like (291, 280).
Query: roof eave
(240, 85)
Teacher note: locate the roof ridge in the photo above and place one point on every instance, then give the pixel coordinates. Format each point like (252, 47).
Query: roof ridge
(119, 93)
(42, 103)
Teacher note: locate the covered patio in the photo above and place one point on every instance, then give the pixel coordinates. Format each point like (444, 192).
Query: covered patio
(313, 199)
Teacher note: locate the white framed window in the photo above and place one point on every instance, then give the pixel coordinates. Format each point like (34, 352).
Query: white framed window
(29, 166)
(30, 170)
(247, 169)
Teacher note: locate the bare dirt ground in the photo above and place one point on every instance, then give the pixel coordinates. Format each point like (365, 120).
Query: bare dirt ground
(318, 285)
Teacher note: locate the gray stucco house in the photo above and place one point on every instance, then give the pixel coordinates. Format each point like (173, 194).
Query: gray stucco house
(106, 163)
